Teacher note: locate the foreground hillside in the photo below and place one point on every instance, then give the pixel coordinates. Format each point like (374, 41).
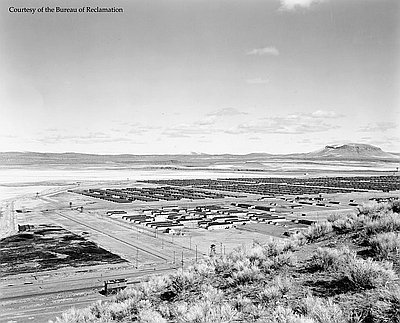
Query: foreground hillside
(344, 270)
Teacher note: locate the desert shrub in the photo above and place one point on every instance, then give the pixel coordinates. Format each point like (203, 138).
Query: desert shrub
(344, 225)
(322, 311)
(237, 254)
(164, 309)
(384, 244)
(275, 290)
(247, 266)
(373, 209)
(395, 206)
(148, 315)
(211, 293)
(97, 309)
(336, 216)
(256, 254)
(270, 294)
(365, 274)
(205, 312)
(331, 259)
(372, 216)
(248, 311)
(183, 281)
(317, 230)
(127, 293)
(101, 312)
(245, 274)
(146, 290)
(241, 303)
(285, 315)
(223, 265)
(275, 247)
(360, 273)
(387, 308)
(283, 260)
(76, 316)
(156, 285)
(125, 310)
(203, 269)
(387, 222)
(299, 238)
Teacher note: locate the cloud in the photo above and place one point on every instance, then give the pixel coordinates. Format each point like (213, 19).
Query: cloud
(325, 114)
(257, 80)
(281, 126)
(270, 50)
(132, 128)
(139, 129)
(287, 5)
(378, 127)
(226, 112)
(298, 123)
(9, 136)
(207, 121)
(93, 137)
(188, 130)
(52, 130)
(301, 123)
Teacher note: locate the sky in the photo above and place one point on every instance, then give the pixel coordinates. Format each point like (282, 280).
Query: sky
(200, 76)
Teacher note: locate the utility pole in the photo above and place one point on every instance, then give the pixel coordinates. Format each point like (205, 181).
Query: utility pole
(137, 257)
(174, 256)
(190, 242)
(196, 253)
(212, 250)
(182, 259)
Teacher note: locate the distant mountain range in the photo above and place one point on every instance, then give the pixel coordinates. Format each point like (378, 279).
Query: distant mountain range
(351, 151)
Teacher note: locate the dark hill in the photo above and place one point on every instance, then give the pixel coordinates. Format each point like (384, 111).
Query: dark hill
(350, 151)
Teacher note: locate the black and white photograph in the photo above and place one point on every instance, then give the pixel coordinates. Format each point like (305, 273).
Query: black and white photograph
(200, 161)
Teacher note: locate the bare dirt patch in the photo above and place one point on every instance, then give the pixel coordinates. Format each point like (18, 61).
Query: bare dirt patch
(48, 247)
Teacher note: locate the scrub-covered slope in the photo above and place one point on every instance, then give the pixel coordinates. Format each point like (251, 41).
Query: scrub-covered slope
(342, 270)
